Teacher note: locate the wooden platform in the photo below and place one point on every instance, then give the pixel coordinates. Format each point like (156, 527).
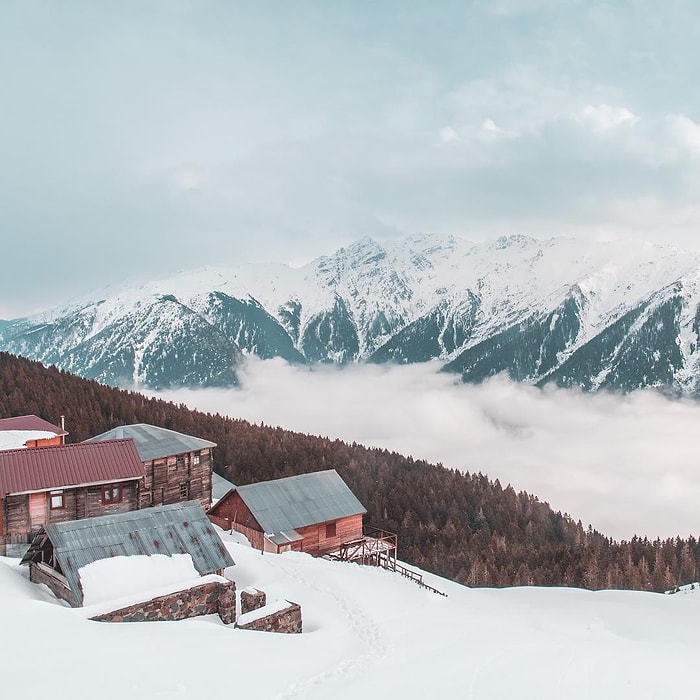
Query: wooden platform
(378, 548)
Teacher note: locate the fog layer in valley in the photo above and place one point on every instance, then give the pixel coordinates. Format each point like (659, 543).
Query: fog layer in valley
(626, 464)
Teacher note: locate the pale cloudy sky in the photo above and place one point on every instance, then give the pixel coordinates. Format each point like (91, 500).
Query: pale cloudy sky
(143, 137)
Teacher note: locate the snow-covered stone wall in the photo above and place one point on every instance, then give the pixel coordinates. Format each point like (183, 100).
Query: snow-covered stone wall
(280, 616)
(215, 597)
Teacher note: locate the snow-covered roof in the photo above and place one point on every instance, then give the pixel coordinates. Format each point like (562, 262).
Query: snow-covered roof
(30, 422)
(284, 537)
(18, 439)
(153, 442)
(177, 528)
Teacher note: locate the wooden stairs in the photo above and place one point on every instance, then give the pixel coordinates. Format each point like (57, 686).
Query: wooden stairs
(378, 548)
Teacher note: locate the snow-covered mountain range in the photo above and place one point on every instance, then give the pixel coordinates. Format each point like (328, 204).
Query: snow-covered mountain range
(617, 315)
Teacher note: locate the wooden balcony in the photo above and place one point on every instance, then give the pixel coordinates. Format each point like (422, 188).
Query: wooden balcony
(378, 548)
(375, 548)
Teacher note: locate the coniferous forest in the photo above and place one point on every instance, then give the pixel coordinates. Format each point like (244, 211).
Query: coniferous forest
(458, 525)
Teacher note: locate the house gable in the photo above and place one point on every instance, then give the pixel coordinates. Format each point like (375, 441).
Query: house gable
(314, 512)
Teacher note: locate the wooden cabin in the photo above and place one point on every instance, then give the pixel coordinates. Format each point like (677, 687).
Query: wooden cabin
(56, 484)
(60, 550)
(29, 431)
(177, 467)
(315, 513)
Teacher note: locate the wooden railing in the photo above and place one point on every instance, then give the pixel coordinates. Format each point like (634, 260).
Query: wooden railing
(378, 548)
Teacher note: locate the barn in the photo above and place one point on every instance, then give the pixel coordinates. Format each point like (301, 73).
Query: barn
(315, 513)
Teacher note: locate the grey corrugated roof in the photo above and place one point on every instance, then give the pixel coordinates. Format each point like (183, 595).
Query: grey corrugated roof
(298, 501)
(220, 486)
(284, 537)
(153, 442)
(179, 528)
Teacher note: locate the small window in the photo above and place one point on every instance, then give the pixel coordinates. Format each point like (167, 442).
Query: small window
(56, 500)
(112, 494)
(330, 530)
(195, 459)
(184, 490)
(180, 461)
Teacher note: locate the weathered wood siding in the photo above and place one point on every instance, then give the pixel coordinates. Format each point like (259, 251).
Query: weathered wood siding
(232, 513)
(42, 573)
(178, 478)
(255, 537)
(79, 502)
(317, 543)
(16, 512)
(232, 509)
(88, 501)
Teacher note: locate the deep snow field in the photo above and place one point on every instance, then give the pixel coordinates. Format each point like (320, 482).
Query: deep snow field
(368, 633)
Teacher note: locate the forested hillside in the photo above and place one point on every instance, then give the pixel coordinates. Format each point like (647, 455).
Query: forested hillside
(462, 526)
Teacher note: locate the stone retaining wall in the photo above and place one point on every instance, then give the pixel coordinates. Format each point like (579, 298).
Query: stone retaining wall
(252, 599)
(286, 621)
(206, 599)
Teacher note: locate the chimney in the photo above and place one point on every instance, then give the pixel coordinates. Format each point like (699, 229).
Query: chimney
(63, 427)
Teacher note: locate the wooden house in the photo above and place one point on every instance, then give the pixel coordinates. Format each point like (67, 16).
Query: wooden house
(315, 513)
(178, 467)
(29, 431)
(60, 550)
(66, 482)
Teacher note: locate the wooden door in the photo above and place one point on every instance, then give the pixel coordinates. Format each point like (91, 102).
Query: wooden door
(37, 510)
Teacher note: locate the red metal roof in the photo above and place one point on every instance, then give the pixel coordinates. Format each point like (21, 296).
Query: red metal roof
(62, 466)
(30, 423)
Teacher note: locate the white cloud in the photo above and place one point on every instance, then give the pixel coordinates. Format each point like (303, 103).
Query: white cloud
(187, 178)
(605, 117)
(627, 465)
(685, 132)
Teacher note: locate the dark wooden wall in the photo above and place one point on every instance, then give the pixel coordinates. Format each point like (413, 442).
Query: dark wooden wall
(165, 477)
(79, 502)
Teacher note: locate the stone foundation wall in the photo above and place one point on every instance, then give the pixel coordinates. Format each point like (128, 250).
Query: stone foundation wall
(286, 621)
(206, 599)
(252, 599)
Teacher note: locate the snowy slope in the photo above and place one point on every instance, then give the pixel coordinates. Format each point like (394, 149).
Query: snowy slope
(593, 314)
(367, 633)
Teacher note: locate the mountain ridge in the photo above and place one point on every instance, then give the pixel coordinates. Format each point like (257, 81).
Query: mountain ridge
(539, 310)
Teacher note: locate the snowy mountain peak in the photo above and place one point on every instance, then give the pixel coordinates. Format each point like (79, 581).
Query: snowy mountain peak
(615, 314)
(515, 241)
